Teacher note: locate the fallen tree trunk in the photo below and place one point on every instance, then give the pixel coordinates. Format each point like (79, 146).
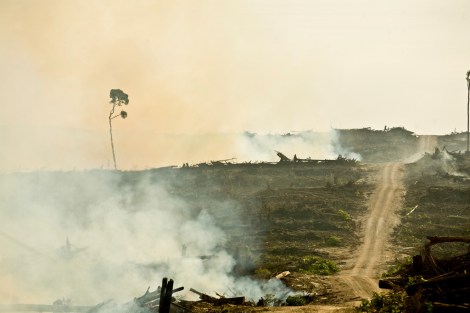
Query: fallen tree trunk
(455, 281)
(436, 239)
(220, 301)
(429, 260)
(203, 296)
(451, 308)
(444, 282)
(395, 283)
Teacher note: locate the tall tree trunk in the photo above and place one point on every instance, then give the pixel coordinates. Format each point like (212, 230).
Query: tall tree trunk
(111, 134)
(468, 114)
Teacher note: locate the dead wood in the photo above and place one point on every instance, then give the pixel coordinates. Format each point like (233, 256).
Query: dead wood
(150, 297)
(282, 275)
(395, 283)
(436, 239)
(455, 281)
(451, 308)
(445, 282)
(220, 301)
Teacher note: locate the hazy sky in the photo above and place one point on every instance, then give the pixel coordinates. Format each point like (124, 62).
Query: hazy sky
(222, 66)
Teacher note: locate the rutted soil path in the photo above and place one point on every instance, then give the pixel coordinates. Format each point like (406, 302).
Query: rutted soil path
(362, 279)
(366, 265)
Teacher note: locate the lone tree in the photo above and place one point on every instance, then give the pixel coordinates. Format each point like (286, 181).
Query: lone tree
(118, 98)
(468, 111)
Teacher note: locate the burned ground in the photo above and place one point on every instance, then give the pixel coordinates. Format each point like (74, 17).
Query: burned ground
(281, 213)
(287, 216)
(437, 202)
(388, 145)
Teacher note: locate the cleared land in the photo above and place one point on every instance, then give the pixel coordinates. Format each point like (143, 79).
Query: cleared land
(280, 217)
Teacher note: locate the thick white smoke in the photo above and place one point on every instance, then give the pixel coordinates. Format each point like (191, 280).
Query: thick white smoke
(340, 150)
(97, 235)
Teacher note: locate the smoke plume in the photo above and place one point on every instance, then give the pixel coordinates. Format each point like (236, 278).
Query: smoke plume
(92, 236)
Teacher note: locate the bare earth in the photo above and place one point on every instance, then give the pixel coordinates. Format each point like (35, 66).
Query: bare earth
(379, 222)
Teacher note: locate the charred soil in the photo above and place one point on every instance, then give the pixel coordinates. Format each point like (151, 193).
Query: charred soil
(334, 226)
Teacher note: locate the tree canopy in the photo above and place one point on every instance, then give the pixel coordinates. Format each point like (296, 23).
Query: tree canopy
(118, 97)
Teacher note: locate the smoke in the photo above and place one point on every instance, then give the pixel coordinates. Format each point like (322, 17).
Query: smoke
(449, 164)
(92, 236)
(214, 67)
(164, 149)
(340, 150)
(316, 145)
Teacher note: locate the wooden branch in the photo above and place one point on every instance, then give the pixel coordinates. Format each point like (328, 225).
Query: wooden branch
(282, 275)
(395, 283)
(203, 296)
(451, 308)
(428, 258)
(456, 281)
(207, 298)
(436, 239)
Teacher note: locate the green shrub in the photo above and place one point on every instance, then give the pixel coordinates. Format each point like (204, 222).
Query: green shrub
(414, 280)
(296, 300)
(318, 266)
(270, 299)
(398, 269)
(345, 215)
(333, 241)
(393, 302)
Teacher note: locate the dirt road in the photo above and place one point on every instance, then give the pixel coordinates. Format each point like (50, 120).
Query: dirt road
(378, 225)
(426, 144)
(361, 279)
(370, 259)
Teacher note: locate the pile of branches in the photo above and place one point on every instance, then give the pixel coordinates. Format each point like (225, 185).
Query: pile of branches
(441, 283)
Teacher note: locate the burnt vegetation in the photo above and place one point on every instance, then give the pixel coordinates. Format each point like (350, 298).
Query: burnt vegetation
(298, 219)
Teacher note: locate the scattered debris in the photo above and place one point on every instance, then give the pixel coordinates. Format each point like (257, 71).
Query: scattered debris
(445, 283)
(284, 160)
(412, 210)
(219, 301)
(282, 275)
(282, 157)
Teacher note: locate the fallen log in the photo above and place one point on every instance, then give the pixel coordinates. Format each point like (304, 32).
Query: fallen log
(395, 283)
(203, 296)
(444, 282)
(438, 239)
(455, 281)
(233, 300)
(451, 308)
(282, 275)
(433, 240)
(210, 299)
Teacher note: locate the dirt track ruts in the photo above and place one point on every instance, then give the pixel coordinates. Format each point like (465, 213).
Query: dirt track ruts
(378, 225)
(362, 279)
